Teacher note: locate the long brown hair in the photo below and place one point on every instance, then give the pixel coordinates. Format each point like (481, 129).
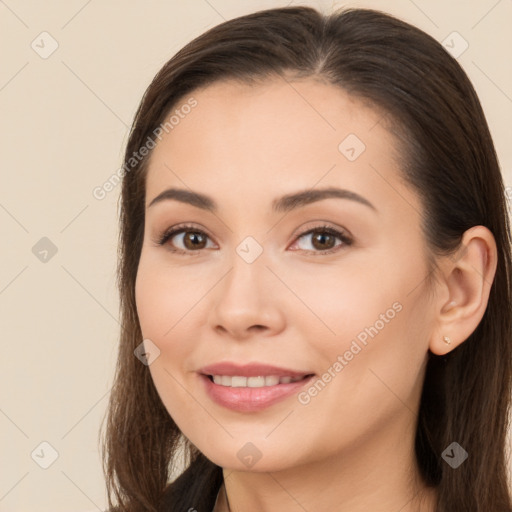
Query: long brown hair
(448, 158)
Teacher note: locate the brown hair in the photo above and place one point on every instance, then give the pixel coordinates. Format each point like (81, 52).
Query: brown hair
(448, 158)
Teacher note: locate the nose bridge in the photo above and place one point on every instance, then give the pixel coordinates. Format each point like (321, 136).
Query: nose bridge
(245, 298)
(248, 269)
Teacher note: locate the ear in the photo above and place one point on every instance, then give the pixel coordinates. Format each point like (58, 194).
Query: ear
(465, 283)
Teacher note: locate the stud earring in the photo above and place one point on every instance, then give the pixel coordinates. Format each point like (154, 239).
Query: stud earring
(447, 340)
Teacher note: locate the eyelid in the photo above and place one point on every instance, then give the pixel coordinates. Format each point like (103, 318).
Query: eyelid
(162, 238)
(343, 234)
(318, 225)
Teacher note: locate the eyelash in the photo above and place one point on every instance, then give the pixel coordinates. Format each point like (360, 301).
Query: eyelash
(169, 233)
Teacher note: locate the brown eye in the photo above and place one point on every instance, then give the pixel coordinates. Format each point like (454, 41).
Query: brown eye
(184, 239)
(194, 240)
(323, 240)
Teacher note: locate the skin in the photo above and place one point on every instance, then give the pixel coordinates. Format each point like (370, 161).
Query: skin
(351, 447)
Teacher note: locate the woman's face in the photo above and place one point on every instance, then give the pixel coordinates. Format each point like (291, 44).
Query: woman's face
(250, 282)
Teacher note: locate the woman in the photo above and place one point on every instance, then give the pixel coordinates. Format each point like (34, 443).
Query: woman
(314, 275)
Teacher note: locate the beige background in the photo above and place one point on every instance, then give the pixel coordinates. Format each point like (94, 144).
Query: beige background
(64, 122)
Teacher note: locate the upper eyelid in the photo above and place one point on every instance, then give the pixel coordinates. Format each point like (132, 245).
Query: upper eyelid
(342, 233)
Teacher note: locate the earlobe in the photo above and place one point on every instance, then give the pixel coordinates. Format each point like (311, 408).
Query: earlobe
(467, 279)
(447, 340)
(441, 342)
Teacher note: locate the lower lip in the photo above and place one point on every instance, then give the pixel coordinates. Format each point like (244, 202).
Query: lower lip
(251, 399)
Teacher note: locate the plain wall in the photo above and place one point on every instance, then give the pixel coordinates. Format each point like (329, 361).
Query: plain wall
(64, 122)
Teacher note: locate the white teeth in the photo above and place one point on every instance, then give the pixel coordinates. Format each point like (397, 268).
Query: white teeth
(237, 381)
(271, 380)
(256, 382)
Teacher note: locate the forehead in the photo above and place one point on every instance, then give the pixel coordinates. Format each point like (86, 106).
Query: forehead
(277, 135)
(305, 109)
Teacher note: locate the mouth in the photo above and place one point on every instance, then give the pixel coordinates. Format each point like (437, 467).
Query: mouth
(252, 394)
(240, 381)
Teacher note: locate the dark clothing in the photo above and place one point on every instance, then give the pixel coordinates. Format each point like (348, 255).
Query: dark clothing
(195, 490)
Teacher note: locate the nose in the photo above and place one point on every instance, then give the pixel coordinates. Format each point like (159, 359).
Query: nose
(247, 301)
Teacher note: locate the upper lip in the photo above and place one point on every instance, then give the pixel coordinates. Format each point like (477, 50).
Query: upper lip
(250, 370)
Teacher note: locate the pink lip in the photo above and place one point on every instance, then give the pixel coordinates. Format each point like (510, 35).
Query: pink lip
(250, 370)
(251, 399)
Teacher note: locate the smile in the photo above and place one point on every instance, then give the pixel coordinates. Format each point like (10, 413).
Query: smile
(252, 394)
(237, 381)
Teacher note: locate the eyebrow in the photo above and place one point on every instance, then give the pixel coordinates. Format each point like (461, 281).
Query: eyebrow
(285, 203)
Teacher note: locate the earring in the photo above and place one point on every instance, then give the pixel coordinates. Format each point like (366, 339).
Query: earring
(447, 340)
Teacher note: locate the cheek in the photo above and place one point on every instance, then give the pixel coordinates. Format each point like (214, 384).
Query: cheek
(148, 299)
(161, 297)
(373, 378)
(340, 300)
(382, 320)
(168, 304)
(159, 309)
